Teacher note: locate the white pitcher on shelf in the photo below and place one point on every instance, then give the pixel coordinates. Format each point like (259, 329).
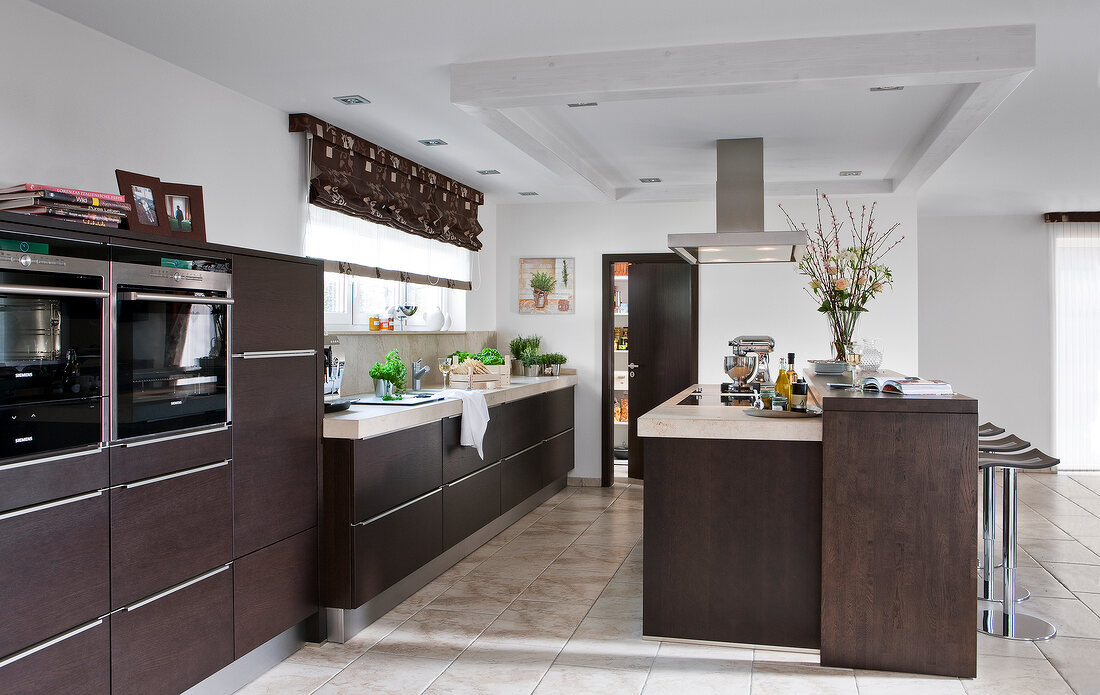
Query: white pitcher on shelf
(436, 320)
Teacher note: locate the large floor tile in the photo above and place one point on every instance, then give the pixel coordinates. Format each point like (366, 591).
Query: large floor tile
(1060, 551)
(1090, 600)
(609, 643)
(487, 671)
(998, 675)
(580, 680)
(1077, 577)
(1017, 649)
(378, 673)
(290, 678)
(525, 567)
(792, 678)
(1077, 525)
(565, 585)
(617, 607)
(888, 683)
(334, 654)
(1076, 660)
(1036, 580)
(435, 634)
(1070, 617)
(481, 594)
(547, 625)
(676, 675)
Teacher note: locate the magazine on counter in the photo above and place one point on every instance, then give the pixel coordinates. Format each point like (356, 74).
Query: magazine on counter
(907, 385)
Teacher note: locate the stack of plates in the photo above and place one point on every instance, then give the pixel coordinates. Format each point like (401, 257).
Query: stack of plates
(829, 366)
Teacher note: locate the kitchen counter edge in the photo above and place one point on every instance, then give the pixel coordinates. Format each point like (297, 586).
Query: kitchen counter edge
(670, 420)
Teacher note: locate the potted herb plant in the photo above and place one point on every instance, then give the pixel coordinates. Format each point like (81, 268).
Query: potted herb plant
(518, 345)
(530, 359)
(389, 377)
(542, 284)
(553, 362)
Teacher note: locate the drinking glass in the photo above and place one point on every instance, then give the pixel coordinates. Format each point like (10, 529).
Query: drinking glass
(445, 367)
(854, 354)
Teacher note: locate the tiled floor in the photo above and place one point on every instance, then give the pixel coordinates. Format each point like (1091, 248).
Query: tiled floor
(553, 605)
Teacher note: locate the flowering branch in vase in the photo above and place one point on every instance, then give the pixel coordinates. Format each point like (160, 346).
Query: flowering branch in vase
(843, 279)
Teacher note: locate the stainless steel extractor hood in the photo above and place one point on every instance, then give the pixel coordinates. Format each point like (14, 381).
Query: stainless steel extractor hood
(739, 194)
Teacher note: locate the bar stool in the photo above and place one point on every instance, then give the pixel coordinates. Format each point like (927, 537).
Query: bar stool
(1004, 445)
(1004, 621)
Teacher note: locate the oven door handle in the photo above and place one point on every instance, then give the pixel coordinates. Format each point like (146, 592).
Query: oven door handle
(53, 291)
(180, 298)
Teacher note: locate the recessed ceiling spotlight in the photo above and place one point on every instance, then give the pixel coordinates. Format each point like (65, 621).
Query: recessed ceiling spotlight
(432, 142)
(578, 104)
(650, 179)
(894, 88)
(852, 172)
(487, 172)
(528, 192)
(352, 100)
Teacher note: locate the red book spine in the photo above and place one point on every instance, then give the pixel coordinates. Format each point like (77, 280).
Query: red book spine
(91, 201)
(113, 197)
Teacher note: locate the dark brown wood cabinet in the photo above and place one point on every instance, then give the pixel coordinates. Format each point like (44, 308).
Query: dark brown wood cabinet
(520, 476)
(394, 468)
(521, 424)
(76, 663)
(392, 546)
(470, 503)
(277, 304)
(557, 456)
(557, 412)
(138, 460)
(24, 486)
(461, 460)
(54, 572)
(274, 589)
(169, 642)
(167, 529)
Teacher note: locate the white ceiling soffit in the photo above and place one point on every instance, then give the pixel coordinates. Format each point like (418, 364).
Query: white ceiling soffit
(516, 97)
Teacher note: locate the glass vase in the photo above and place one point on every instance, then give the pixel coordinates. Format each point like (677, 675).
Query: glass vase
(843, 325)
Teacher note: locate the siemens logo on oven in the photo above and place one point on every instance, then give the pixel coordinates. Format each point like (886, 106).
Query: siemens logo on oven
(23, 440)
(23, 375)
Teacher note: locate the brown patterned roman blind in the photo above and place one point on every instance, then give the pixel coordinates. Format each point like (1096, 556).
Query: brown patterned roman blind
(358, 178)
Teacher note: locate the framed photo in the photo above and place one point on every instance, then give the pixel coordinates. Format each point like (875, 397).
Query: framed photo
(144, 194)
(183, 210)
(547, 285)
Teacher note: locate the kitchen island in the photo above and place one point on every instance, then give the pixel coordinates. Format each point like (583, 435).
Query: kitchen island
(852, 533)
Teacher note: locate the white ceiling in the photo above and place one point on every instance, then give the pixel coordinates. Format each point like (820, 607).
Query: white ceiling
(1039, 151)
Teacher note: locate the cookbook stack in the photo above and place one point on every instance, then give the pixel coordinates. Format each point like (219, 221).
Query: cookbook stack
(88, 207)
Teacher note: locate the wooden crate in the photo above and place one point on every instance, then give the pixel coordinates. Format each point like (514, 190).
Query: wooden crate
(499, 374)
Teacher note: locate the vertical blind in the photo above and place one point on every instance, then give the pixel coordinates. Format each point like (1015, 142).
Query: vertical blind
(1077, 345)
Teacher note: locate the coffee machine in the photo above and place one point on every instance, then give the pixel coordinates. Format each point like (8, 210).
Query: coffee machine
(748, 366)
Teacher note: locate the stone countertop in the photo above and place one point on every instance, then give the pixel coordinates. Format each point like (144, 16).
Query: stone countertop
(722, 422)
(361, 421)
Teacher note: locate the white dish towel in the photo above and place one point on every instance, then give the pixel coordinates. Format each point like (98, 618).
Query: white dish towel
(475, 417)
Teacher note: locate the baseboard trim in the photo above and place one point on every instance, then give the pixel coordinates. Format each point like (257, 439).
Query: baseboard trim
(253, 664)
(584, 482)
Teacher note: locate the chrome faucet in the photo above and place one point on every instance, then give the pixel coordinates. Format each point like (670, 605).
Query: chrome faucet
(419, 373)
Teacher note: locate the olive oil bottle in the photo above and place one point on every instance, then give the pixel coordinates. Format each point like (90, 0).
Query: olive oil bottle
(783, 381)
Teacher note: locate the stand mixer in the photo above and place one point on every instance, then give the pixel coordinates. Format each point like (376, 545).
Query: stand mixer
(749, 362)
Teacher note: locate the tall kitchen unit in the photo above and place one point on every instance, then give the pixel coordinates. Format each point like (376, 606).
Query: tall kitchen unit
(620, 398)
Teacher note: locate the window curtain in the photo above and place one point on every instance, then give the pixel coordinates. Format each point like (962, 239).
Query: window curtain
(358, 178)
(1077, 339)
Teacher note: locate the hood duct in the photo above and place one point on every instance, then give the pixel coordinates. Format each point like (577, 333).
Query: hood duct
(739, 198)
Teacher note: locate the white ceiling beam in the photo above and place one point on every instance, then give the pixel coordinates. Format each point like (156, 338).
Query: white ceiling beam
(947, 56)
(774, 189)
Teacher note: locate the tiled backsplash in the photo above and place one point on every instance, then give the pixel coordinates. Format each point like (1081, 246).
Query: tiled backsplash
(363, 350)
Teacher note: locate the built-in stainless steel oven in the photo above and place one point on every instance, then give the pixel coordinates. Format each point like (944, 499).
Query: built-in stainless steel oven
(53, 326)
(170, 370)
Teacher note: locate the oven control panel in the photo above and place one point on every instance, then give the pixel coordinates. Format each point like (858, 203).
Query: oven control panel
(176, 274)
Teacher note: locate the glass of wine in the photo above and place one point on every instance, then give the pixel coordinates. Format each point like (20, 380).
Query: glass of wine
(445, 367)
(854, 354)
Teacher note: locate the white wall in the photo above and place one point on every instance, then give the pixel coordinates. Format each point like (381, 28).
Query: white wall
(481, 302)
(985, 316)
(77, 105)
(734, 300)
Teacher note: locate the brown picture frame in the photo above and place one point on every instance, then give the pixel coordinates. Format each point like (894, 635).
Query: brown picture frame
(139, 190)
(193, 218)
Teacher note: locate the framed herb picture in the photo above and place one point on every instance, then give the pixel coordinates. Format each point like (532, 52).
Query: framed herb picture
(144, 194)
(547, 285)
(183, 211)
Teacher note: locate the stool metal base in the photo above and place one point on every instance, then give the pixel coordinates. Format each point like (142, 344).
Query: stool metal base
(1021, 627)
(1022, 594)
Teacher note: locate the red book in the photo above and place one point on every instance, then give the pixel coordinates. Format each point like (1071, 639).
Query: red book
(106, 207)
(35, 187)
(85, 217)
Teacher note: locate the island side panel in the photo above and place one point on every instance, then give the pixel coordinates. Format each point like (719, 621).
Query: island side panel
(898, 540)
(732, 541)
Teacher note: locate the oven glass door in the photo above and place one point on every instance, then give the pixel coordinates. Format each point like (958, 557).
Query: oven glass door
(172, 361)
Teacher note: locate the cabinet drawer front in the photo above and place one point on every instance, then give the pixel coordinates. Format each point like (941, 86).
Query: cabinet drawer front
(76, 663)
(55, 569)
(557, 457)
(393, 546)
(394, 468)
(521, 424)
(174, 641)
(166, 530)
(130, 462)
(520, 477)
(273, 590)
(470, 503)
(461, 460)
(30, 483)
(558, 412)
(276, 429)
(264, 288)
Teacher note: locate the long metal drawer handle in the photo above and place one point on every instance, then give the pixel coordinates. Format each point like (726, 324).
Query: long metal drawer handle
(177, 587)
(51, 459)
(49, 505)
(376, 517)
(178, 298)
(178, 474)
(50, 642)
(269, 354)
(158, 440)
(53, 291)
(470, 475)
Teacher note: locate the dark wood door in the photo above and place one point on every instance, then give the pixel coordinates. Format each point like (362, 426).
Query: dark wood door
(395, 545)
(273, 590)
(470, 503)
(394, 468)
(79, 664)
(277, 305)
(662, 343)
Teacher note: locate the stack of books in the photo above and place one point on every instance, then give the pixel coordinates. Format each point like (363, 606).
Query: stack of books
(88, 207)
